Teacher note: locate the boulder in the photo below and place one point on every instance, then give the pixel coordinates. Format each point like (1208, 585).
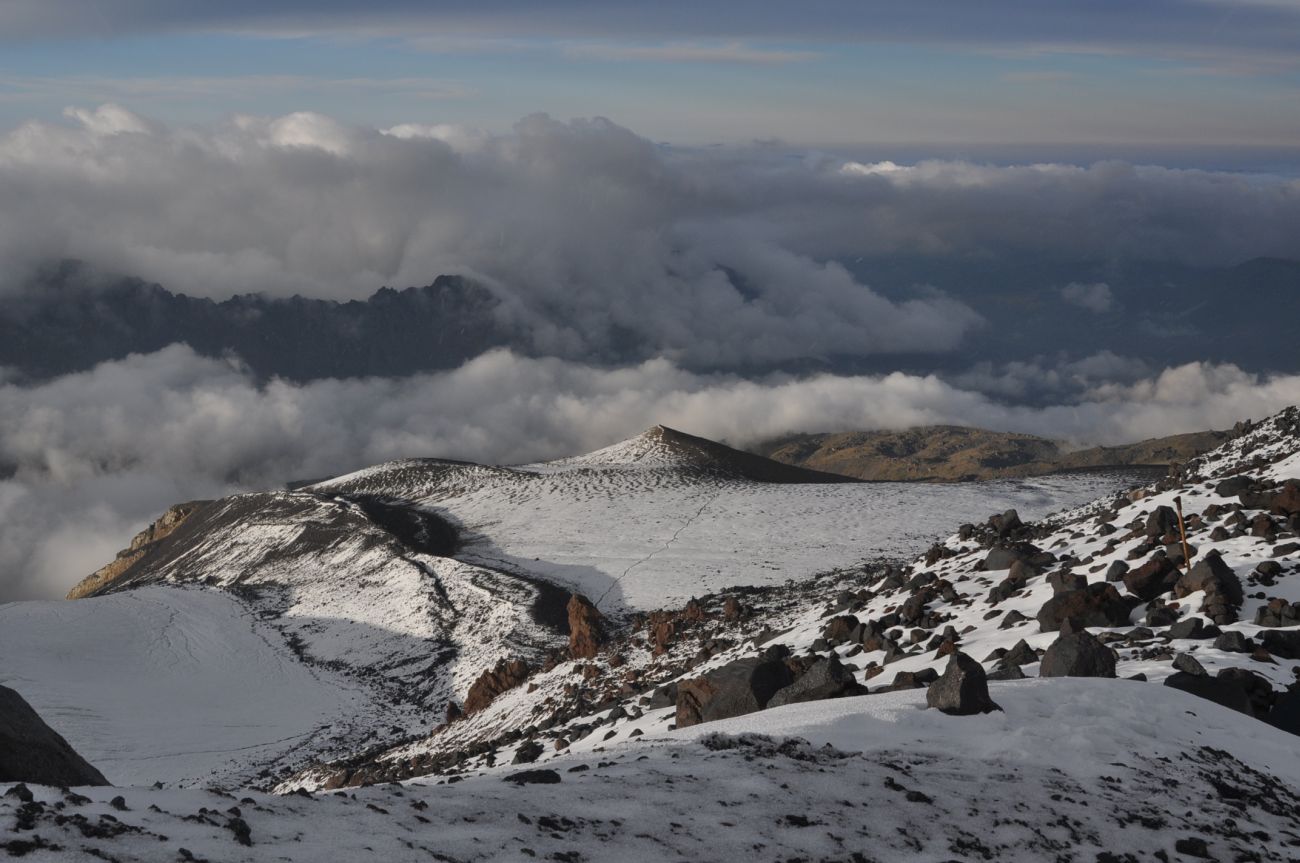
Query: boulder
(1078, 654)
(1233, 486)
(1281, 642)
(1096, 605)
(740, 687)
(1116, 570)
(840, 629)
(962, 690)
(1223, 593)
(1228, 693)
(586, 632)
(31, 751)
(1064, 581)
(1158, 575)
(1161, 521)
(825, 678)
(1234, 642)
(528, 752)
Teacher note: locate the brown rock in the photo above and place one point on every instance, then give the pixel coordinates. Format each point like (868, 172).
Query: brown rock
(586, 632)
(507, 674)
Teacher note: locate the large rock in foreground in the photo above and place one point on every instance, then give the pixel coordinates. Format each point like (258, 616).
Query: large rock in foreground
(31, 751)
(741, 687)
(963, 690)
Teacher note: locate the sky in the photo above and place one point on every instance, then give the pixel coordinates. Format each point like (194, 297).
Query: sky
(1217, 81)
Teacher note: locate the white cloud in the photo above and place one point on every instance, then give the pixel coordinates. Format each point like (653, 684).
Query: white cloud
(598, 242)
(96, 455)
(1095, 297)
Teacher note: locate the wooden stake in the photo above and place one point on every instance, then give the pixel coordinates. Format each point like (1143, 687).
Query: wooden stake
(1182, 532)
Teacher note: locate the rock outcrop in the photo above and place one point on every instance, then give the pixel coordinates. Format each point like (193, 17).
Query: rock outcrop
(586, 630)
(507, 674)
(31, 751)
(156, 532)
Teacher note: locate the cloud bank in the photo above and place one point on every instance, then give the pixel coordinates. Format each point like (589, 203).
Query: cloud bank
(594, 239)
(91, 457)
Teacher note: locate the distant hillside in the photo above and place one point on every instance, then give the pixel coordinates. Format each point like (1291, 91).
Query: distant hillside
(957, 453)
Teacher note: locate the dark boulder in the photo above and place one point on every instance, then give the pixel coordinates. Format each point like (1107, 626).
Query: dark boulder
(1233, 486)
(528, 752)
(962, 690)
(1096, 605)
(913, 679)
(1078, 654)
(1116, 570)
(1161, 521)
(825, 678)
(1191, 627)
(1234, 642)
(840, 629)
(1223, 594)
(740, 687)
(1064, 581)
(1281, 642)
(31, 751)
(1158, 575)
(1228, 693)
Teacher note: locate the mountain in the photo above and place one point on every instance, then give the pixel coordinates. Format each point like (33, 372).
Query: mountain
(959, 454)
(750, 676)
(64, 323)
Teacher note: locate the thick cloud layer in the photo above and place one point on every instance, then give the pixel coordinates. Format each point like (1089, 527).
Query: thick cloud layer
(595, 239)
(94, 456)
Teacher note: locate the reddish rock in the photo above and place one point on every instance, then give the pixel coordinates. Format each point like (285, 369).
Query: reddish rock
(586, 633)
(507, 674)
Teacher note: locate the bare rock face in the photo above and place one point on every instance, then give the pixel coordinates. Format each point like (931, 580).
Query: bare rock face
(31, 751)
(507, 674)
(586, 633)
(139, 547)
(962, 690)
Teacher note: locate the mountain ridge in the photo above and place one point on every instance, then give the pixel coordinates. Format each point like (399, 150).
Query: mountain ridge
(947, 453)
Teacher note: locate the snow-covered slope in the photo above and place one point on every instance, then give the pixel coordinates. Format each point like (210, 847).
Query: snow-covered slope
(1075, 771)
(175, 686)
(957, 595)
(401, 584)
(652, 521)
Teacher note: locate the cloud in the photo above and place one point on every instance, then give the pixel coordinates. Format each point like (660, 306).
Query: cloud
(1095, 297)
(599, 243)
(92, 457)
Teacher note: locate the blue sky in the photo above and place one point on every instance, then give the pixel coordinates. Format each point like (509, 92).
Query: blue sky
(951, 77)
